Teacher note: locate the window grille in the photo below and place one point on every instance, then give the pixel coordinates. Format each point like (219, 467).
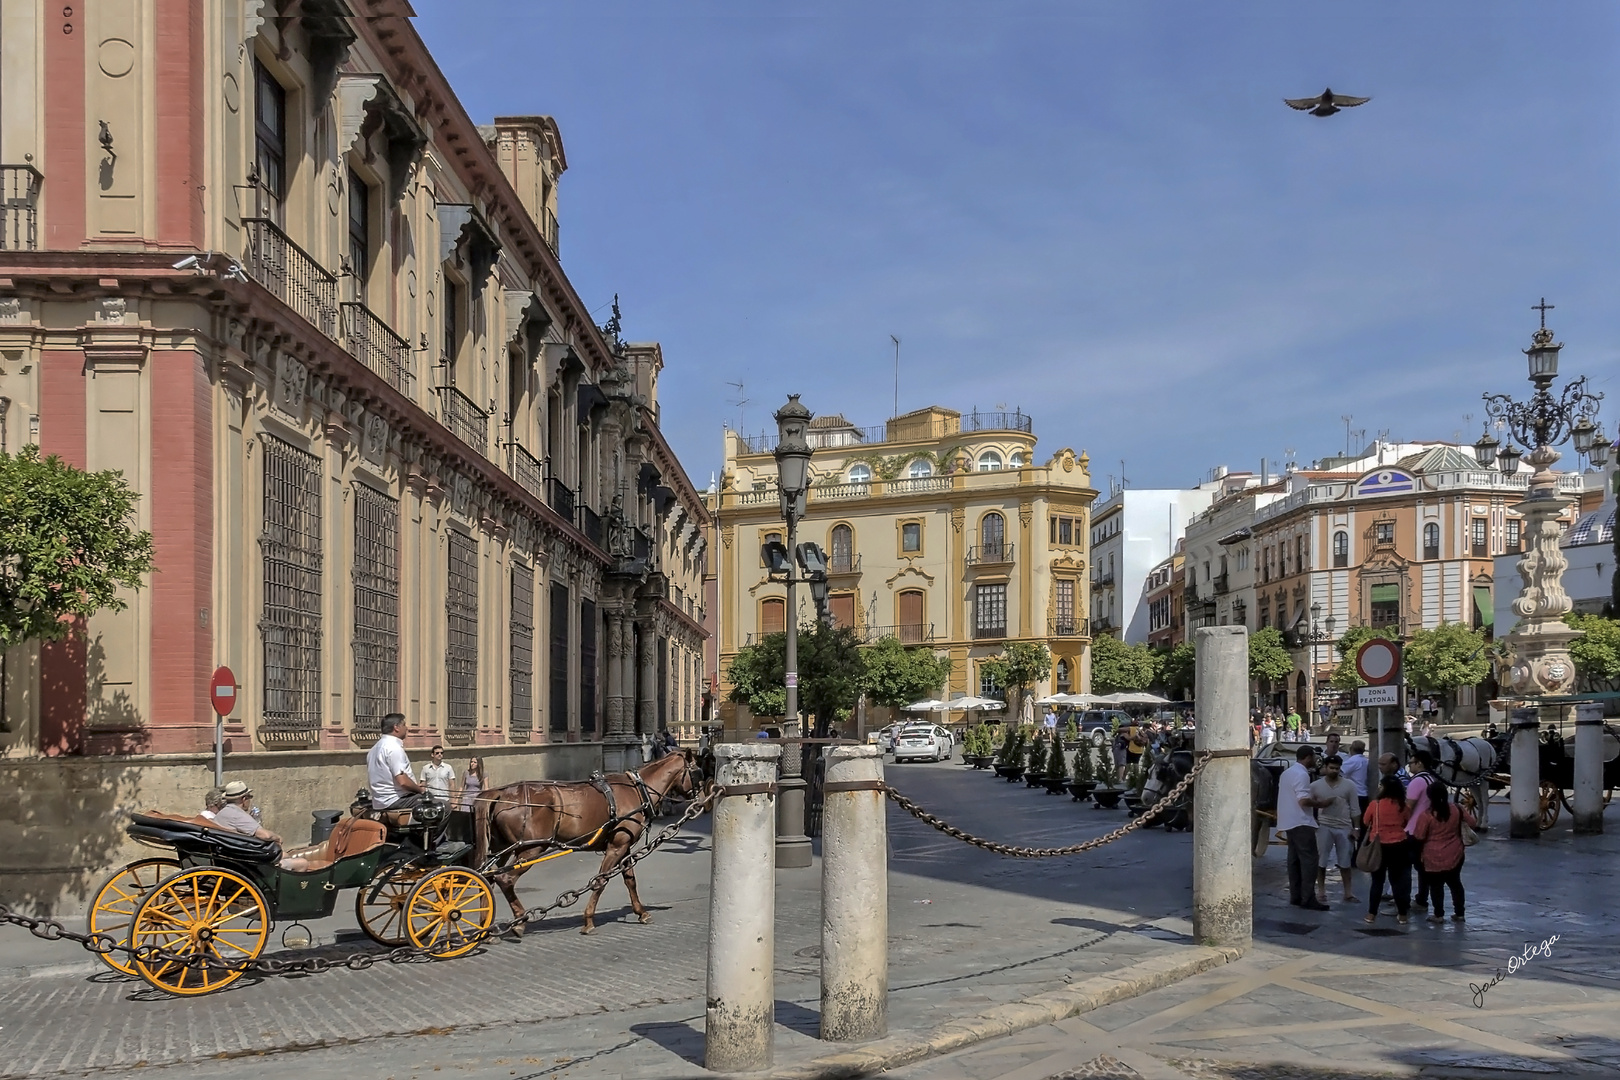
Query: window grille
(559, 658)
(290, 627)
(376, 610)
(461, 657)
(521, 724)
(990, 611)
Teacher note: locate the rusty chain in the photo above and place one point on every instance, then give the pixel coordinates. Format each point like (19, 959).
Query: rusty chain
(104, 944)
(1165, 801)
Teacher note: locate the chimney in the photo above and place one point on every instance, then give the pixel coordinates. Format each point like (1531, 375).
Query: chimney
(530, 153)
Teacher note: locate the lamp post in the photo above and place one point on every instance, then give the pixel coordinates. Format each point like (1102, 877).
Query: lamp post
(1539, 663)
(1321, 632)
(793, 483)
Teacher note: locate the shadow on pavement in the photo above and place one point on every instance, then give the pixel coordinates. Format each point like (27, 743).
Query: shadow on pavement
(682, 1038)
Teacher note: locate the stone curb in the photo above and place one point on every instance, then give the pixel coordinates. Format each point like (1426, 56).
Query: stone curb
(907, 1048)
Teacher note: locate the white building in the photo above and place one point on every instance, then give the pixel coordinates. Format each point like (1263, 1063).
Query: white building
(1219, 570)
(1132, 532)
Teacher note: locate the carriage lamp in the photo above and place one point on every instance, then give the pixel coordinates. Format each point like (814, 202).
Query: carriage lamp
(1599, 454)
(1485, 449)
(1508, 459)
(1583, 434)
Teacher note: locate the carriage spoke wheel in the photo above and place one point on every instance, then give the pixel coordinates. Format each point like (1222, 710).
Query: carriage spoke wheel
(383, 919)
(113, 908)
(203, 912)
(448, 911)
(1552, 798)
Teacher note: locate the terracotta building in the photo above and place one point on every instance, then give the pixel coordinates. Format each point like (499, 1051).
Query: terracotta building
(261, 260)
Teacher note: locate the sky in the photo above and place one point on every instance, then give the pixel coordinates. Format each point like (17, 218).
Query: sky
(1099, 212)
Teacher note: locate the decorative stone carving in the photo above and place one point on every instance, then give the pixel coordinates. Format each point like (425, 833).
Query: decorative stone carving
(522, 534)
(957, 518)
(112, 309)
(461, 492)
(292, 384)
(10, 309)
(1026, 514)
(375, 444)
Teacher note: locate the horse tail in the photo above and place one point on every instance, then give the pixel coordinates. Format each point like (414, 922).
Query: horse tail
(481, 814)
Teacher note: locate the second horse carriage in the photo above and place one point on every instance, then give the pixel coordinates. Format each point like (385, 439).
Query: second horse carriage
(1557, 768)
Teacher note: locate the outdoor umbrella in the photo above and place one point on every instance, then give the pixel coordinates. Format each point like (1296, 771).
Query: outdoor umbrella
(1138, 697)
(975, 704)
(927, 705)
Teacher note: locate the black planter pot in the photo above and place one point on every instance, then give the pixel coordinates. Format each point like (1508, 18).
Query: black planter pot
(1010, 772)
(1055, 784)
(1107, 798)
(1133, 804)
(1080, 789)
(1034, 779)
(978, 761)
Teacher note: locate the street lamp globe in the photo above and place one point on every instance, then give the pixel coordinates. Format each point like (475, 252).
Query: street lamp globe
(1485, 449)
(1583, 432)
(1599, 454)
(1508, 459)
(793, 448)
(1316, 614)
(1331, 624)
(1543, 354)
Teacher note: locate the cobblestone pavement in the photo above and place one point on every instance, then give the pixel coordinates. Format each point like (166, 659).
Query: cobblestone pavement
(1323, 997)
(968, 930)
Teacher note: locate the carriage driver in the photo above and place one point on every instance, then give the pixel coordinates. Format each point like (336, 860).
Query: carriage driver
(388, 770)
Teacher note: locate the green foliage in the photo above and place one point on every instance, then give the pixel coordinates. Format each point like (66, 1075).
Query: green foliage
(1345, 676)
(897, 675)
(1136, 778)
(1597, 651)
(1012, 746)
(1118, 667)
(1448, 656)
(1020, 665)
(891, 468)
(831, 673)
(1178, 669)
(1268, 659)
(1037, 756)
(1057, 766)
(68, 544)
(1071, 729)
(978, 742)
(1084, 768)
(1103, 755)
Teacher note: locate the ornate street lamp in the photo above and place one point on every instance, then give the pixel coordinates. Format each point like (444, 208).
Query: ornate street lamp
(1321, 633)
(1539, 663)
(793, 485)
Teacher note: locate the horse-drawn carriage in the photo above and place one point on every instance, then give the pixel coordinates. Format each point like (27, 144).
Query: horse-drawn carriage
(1557, 752)
(210, 908)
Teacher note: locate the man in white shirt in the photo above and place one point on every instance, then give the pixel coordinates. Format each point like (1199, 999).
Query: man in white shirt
(1336, 803)
(437, 776)
(1296, 816)
(388, 770)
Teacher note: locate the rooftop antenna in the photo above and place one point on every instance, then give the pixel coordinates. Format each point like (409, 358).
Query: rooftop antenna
(896, 374)
(1347, 418)
(738, 403)
(1124, 482)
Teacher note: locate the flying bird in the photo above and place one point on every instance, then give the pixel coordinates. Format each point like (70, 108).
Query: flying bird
(1325, 105)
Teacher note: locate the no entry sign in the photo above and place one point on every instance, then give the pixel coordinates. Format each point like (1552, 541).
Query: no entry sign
(1378, 661)
(222, 691)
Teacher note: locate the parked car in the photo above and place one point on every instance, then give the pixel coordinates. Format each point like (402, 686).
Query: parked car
(918, 742)
(1098, 724)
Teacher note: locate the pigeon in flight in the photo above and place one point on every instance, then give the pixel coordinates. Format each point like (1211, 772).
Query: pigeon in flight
(1325, 105)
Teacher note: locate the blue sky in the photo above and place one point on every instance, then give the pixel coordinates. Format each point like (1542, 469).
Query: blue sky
(1098, 211)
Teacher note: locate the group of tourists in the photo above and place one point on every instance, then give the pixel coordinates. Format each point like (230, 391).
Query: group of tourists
(1271, 725)
(1386, 824)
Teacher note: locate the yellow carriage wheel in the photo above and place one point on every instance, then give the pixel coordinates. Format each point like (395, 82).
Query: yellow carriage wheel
(1552, 796)
(113, 908)
(383, 919)
(448, 911)
(203, 912)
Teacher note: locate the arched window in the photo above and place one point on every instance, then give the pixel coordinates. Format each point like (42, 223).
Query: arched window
(1341, 548)
(992, 534)
(920, 468)
(843, 549)
(860, 474)
(1016, 461)
(772, 615)
(989, 461)
(1431, 541)
(1060, 675)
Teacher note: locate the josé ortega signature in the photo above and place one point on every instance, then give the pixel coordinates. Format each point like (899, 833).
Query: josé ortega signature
(1527, 954)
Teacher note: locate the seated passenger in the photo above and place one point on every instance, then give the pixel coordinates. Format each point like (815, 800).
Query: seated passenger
(234, 814)
(213, 801)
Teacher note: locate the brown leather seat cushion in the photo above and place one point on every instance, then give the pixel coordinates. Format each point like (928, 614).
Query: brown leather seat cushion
(196, 819)
(350, 837)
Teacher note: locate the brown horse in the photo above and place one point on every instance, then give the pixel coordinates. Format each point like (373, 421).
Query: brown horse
(547, 815)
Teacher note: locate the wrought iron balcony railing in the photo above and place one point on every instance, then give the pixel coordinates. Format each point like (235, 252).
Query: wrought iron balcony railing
(844, 562)
(465, 420)
(999, 631)
(990, 554)
(19, 207)
(907, 633)
(374, 344)
(1222, 583)
(1062, 626)
(590, 523)
(561, 497)
(1017, 420)
(526, 470)
(287, 270)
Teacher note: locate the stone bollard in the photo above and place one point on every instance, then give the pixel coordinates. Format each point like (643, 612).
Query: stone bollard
(1223, 877)
(1589, 769)
(1524, 792)
(740, 1019)
(854, 898)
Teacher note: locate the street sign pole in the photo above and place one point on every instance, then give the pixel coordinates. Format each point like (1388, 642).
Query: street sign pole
(219, 750)
(222, 699)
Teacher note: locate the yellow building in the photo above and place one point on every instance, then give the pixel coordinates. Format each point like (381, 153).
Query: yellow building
(940, 529)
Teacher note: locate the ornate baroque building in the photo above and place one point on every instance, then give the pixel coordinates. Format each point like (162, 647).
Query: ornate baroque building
(257, 256)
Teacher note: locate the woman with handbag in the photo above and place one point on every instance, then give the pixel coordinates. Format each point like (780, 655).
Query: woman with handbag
(1440, 827)
(1384, 852)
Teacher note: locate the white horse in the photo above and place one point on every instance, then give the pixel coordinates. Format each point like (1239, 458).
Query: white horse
(1464, 763)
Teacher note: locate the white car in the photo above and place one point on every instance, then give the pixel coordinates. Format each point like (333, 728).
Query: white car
(918, 742)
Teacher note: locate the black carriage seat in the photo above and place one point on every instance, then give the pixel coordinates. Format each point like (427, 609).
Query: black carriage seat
(189, 835)
(351, 838)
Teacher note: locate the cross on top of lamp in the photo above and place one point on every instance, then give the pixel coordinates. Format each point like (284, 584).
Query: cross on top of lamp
(793, 456)
(1544, 421)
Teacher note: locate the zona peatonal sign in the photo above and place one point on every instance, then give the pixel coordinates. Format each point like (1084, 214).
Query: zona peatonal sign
(1378, 661)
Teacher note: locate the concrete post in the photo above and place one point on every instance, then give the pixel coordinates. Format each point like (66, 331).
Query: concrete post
(854, 900)
(741, 1014)
(1524, 793)
(1223, 879)
(1589, 768)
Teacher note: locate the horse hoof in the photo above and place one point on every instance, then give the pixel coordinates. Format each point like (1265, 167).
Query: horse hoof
(516, 929)
(646, 918)
(588, 928)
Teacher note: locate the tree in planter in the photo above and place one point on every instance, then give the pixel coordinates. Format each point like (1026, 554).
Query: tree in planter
(1057, 766)
(1084, 769)
(1071, 730)
(1438, 660)
(1345, 676)
(1118, 667)
(1037, 757)
(1104, 756)
(1020, 666)
(68, 545)
(1136, 778)
(1007, 755)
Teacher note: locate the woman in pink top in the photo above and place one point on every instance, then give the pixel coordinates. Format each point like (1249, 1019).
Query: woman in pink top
(1439, 829)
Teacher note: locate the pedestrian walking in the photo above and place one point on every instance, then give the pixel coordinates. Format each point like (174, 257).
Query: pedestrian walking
(1268, 731)
(1386, 823)
(1293, 724)
(438, 775)
(1296, 816)
(1439, 829)
(1337, 809)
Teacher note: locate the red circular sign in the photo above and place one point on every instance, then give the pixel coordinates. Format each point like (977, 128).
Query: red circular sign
(222, 691)
(1379, 661)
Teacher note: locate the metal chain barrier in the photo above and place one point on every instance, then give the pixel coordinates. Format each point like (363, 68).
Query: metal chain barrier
(1167, 800)
(104, 944)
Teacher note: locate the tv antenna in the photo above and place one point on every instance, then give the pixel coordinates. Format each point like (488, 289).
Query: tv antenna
(739, 403)
(896, 374)
(1347, 418)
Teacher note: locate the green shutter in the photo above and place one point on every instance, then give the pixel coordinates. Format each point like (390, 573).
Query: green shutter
(1386, 594)
(1482, 604)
